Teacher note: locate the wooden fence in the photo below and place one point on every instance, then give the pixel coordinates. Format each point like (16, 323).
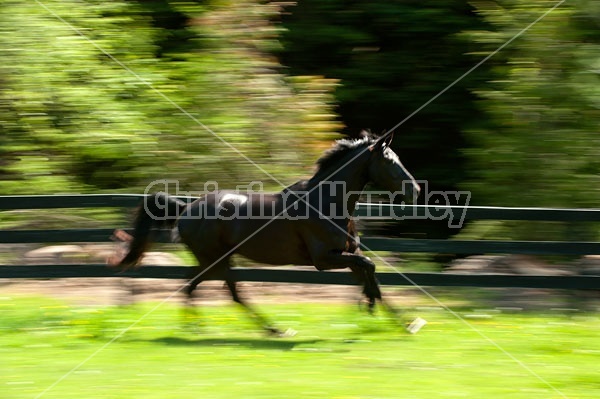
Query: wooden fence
(366, 211)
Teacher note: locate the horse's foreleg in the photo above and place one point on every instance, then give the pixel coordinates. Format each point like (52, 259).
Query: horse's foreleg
(373, 293)
(360, 275)
(372, 290)
(364, 270)
(397, 316)
(262, 321)
(361, 266)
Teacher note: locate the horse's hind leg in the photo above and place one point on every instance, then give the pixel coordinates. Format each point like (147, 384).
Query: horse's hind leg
(190, 313)
(257, 317)
(196, 277)
(207, 270)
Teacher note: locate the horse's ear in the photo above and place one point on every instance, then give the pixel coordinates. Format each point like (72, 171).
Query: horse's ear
(389, 138)
(365, 134)
(383, 140)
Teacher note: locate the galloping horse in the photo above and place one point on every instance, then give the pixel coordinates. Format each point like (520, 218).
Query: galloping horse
(308, 223)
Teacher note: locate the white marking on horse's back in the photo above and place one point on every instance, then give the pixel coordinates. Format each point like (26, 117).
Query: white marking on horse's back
(234, 199)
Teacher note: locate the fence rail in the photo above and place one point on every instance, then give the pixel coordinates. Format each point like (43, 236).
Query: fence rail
(364, 211)
(367, 243)
(310, 277)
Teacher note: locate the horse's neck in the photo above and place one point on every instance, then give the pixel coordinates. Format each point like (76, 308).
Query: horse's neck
(352, 200)
(353, 182)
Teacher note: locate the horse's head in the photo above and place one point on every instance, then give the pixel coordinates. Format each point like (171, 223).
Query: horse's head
(386, 170)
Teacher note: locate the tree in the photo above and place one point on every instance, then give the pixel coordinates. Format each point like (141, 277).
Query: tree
(540, 143)
(391, 58)
(70, 116)
(74, 119)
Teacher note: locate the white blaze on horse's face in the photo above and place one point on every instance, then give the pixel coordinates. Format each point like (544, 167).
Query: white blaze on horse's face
(386, 170)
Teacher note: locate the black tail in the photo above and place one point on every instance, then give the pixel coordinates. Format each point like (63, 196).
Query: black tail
(157, 211)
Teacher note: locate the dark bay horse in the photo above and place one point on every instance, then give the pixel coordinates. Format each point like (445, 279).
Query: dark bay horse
(308, 223)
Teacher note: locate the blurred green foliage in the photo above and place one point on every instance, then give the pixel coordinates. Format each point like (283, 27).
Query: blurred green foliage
(392, 57)
(539, 144)
(72, 118)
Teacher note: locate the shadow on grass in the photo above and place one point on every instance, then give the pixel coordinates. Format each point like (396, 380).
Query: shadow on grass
(254, 343)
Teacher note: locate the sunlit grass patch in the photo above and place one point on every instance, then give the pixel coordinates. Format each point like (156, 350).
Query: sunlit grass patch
(144, 351)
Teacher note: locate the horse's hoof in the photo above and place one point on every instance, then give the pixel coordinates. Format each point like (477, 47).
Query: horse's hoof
(290, 332)
(366, 306)
(414, 326)
(275, 332)
(361, 305)
(272, 331)
(371, 307)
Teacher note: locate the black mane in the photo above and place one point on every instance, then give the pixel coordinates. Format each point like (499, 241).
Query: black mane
(340, 150)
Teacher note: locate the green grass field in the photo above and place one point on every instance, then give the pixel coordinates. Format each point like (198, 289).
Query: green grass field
(68, 351)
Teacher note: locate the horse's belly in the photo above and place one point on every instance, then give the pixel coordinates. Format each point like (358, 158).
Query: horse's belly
(274, 246)
(275, 255)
